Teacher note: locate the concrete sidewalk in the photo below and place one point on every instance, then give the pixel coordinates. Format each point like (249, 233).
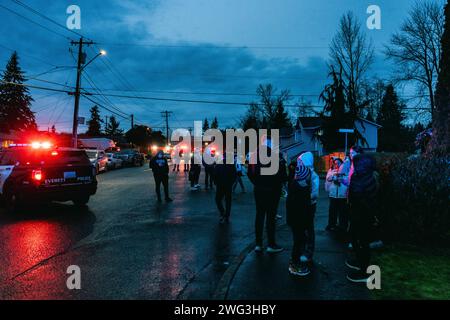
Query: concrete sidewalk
(264, 276)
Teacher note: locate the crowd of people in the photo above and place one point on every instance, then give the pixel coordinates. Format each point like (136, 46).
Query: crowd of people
(351, 184)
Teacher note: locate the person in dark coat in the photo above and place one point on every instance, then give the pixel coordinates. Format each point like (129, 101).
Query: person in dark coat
(267, 192)
(362, 201)
(224, 177)
(160, 169)
(300, 216)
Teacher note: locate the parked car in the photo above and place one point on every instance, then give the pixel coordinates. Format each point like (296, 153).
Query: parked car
(131, 157)
(98, 159)
(114, 161)
(34, 175)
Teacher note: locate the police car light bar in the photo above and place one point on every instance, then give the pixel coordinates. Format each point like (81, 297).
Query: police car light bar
(34, 145)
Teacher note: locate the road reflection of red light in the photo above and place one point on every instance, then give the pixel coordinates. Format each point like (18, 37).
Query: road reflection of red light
(29, 243)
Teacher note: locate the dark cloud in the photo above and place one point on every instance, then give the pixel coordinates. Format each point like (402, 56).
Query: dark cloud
(194, 67)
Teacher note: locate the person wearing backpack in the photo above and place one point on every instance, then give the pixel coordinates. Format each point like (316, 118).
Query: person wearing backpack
(299, 216)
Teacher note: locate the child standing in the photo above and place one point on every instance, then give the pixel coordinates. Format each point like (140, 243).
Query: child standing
(300, 208)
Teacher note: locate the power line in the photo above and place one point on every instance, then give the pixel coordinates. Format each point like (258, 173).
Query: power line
(104, 107)
(215, 46)
(175, 100)
(45, 17)
(33, 22)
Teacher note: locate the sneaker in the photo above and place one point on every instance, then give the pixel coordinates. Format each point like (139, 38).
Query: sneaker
(278, 217)
(197, 186)
(301, 270)
(357, 277)
(304, 259)
(274, 249)
(258, 249)
(169, 199)
(376, 244)
(194, 189)
(352, 264)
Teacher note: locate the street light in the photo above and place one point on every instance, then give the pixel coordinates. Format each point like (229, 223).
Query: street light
(101, 53)
(80, 69)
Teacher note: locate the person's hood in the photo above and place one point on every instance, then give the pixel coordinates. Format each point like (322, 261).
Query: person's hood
(345, 167)
(363, 164)
(307, 159)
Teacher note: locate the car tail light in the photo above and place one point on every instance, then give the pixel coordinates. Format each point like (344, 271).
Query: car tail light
(37, 175)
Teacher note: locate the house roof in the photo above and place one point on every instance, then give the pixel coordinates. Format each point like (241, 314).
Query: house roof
(316, 122)
(310, 122)
(370, 122)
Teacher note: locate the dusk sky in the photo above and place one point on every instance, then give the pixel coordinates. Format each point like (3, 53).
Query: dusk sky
(191, 49)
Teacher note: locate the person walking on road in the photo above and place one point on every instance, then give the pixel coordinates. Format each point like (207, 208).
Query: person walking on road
(299, 216)
(176, 161)
(239, 174)
(209, 172)
(267, 192)
(194, 171)
(362, 201)
(160, 169)
(225, 175)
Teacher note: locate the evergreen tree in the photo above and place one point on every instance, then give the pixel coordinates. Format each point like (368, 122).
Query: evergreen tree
(215, 123)
(15, 99)
(112, 128)
(205, 125)
(390, 117)
(95, 123)
(441, 116)
(334, 115)
(251, 119)
(280, 118)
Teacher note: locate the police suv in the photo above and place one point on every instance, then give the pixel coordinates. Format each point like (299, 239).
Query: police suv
(38, 172)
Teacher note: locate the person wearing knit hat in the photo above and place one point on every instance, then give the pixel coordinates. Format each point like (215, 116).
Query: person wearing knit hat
(298, 212)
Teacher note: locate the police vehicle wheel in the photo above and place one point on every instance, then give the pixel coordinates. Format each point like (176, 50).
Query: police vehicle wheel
(12, 203)
(81, 202)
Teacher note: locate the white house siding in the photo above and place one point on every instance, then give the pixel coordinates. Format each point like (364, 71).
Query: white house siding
(370, 132)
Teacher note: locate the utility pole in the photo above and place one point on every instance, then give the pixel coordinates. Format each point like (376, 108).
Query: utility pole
(166, 114)
(81, 61)
(132, 121)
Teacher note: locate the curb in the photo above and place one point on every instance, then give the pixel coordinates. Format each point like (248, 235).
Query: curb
(221, 292)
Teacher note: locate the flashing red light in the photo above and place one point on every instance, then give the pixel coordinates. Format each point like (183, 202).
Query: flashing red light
(37, 175)
(54, 153)
(41, 145)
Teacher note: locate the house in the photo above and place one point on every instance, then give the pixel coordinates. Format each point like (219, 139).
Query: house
(7, 138)
(305, 136)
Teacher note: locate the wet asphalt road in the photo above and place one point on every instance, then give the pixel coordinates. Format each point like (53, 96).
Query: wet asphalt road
(126, 244)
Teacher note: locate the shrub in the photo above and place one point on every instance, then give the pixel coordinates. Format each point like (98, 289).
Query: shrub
(414, 198)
